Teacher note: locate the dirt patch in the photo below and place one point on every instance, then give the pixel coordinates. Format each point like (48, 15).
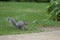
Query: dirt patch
(33, 36)
(50, 29)
(52, 34)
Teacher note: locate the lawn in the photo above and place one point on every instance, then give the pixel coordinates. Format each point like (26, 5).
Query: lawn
(24, 11)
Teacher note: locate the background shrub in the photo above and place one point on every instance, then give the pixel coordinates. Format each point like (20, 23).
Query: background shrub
(54, 10)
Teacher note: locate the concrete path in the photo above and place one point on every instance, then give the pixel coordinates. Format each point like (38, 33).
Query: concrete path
(33, 36)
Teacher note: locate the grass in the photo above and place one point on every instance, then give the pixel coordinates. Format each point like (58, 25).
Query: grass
(24, 11)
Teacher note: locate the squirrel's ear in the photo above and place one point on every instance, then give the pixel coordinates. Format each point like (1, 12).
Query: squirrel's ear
(25, 22)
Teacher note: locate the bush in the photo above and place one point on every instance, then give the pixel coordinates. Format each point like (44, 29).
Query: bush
(42, 0)
(27, 0)
(54, 10)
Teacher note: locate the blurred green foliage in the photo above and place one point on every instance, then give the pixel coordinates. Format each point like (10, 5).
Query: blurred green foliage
(54, 10)
(27, 0)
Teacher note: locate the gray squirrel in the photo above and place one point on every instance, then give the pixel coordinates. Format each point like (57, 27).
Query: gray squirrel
(17, 24)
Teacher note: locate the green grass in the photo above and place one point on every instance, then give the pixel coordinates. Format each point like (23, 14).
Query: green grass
(24, 11)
